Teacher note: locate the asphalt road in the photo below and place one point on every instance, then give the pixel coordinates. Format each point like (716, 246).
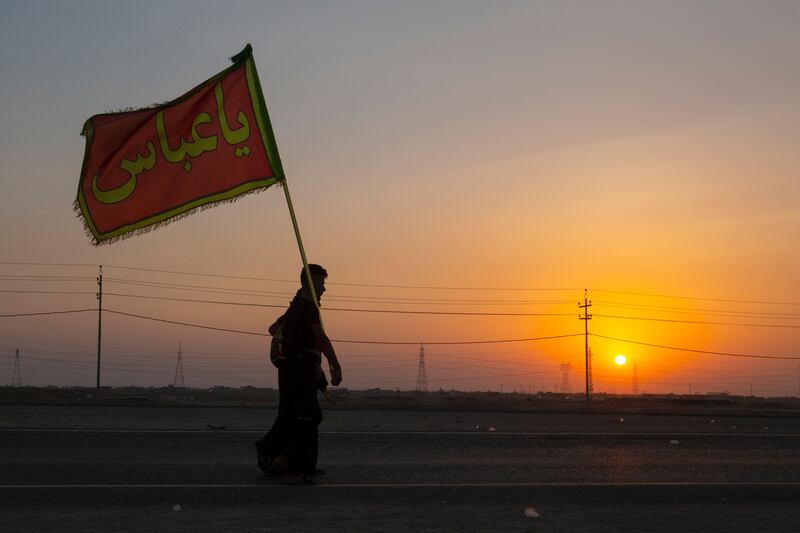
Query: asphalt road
(595, 473)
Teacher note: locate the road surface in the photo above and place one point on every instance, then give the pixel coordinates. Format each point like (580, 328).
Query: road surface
(112, 469)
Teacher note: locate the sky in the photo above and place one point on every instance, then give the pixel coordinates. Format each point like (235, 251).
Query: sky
(492, 158)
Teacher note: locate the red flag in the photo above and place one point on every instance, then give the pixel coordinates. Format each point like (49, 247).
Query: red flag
(145, 167)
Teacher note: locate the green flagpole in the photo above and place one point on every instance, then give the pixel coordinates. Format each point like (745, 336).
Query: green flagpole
(265, 126)
(300, 245)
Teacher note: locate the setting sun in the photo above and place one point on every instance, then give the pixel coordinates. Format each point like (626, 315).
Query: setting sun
(620, 360)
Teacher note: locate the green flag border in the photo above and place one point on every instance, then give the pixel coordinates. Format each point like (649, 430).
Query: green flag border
(243, 59)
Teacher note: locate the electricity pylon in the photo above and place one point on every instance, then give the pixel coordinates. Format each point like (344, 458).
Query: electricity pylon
(566, 368)
(422, 377)
(179, 370)
(16, 375)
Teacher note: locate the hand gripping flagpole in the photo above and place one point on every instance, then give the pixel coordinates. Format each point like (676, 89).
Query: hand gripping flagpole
(302, 250)
(305, 265)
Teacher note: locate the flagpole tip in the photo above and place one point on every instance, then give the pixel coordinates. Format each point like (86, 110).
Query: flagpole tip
(244, 54)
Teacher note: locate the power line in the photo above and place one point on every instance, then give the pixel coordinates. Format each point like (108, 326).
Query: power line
(697, 311)
(391, 311)
(81, 364)
(153, 351)
(370, 366)
(48, 313)
(466, 357)
(695, 351)
(699, 322)
(201, 274)
(404, 286)
(383, 299)
(85, 364)
(89, 364)
(399, 311)
(375, 285)
(439, 287)
(458, 378)
(340, 340)
(158, 358)
(44, 278)
(241, 332)
(280, 280)
(466, 342)
(165, 298)
(19, 263)
(47, 292)
(198, 288)
(125, 347)
(163, 364)
(383, 360)
(401, 342)
(439, 302)
(726, 300)
(713, 380)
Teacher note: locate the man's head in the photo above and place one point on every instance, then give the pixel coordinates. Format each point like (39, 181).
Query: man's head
(318, 274)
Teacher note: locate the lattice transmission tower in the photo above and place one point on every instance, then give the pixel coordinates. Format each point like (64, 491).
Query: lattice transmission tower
(177, 381)
(422, 376)
(566, 368)
(16, 375)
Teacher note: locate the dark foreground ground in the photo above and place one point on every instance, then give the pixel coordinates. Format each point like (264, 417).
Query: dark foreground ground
(126, 469)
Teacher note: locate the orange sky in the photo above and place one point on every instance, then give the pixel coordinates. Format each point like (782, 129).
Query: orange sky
(616, 147)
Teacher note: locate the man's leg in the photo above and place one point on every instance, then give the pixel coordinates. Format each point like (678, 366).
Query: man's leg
(301, 449)
(302, 446)
(274, 442)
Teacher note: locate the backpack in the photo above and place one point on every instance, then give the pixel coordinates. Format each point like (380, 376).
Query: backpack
(276, 355)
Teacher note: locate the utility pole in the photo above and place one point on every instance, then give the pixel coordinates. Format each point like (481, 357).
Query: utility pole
(99, 324)
(635, 379)
(422, 377)
(591, 381)
(586, 317)
(179, 370)
(16, 375)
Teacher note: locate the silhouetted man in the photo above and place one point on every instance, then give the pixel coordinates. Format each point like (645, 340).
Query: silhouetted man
(290, 447)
